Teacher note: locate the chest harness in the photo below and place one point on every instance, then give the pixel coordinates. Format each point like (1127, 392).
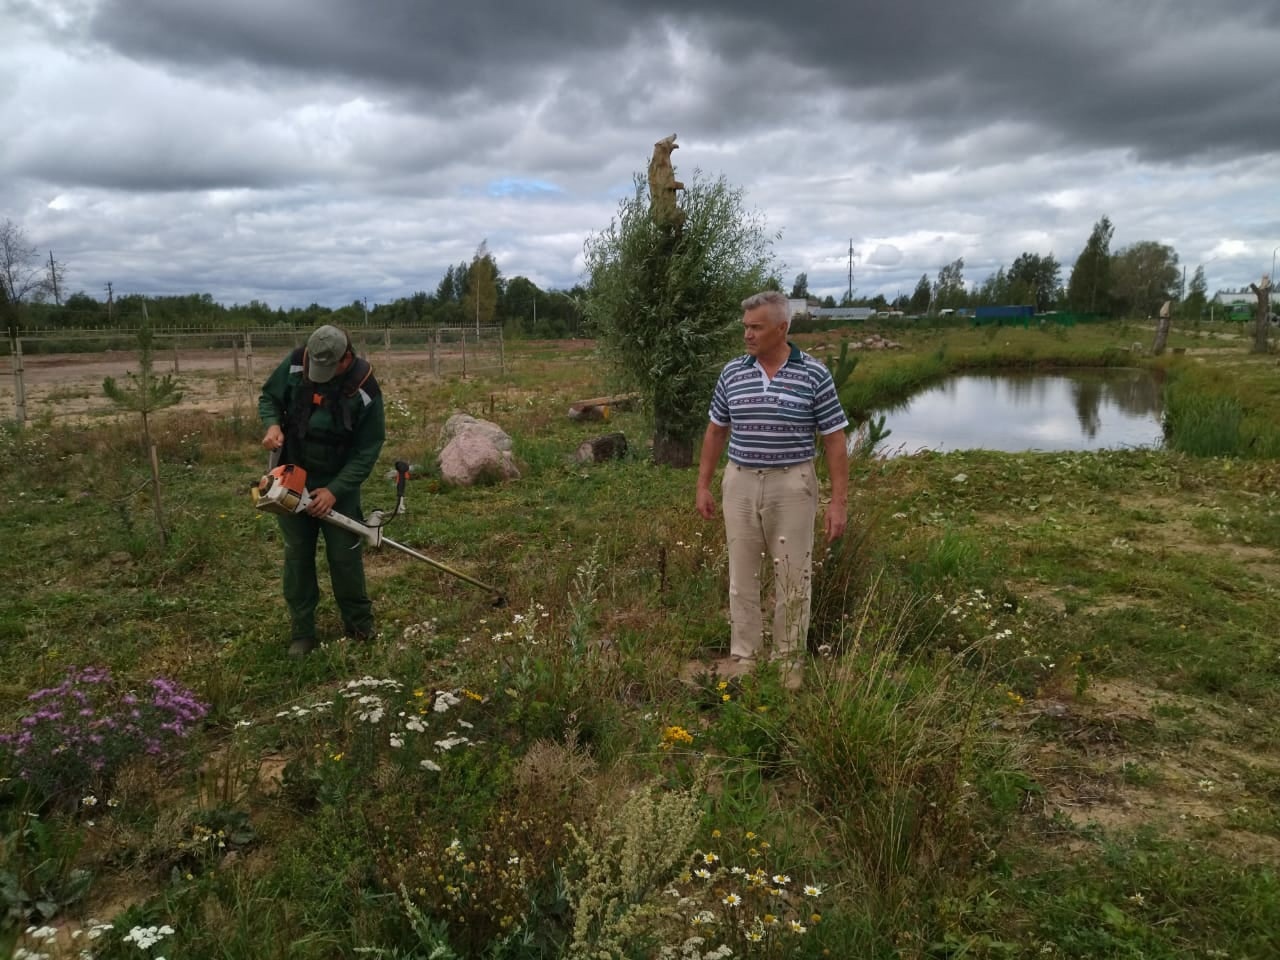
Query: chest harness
(338, 399)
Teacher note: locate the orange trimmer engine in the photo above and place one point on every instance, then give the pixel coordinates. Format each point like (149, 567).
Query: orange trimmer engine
(283, 490)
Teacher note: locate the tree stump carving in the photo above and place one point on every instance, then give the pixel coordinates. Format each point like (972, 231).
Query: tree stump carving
(663, 208)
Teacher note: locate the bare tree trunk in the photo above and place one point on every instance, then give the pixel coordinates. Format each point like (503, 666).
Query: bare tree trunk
(1262, 326)
(670, 450)
(155, 496)
(1162, 329)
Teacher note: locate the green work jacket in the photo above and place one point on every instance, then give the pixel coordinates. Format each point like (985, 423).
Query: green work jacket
(334, 430)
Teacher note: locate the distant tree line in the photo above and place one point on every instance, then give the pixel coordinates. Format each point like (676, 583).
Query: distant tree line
(1131, 282)
(31, 297)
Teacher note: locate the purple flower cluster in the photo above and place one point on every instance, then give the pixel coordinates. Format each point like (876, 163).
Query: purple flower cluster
(77, 735)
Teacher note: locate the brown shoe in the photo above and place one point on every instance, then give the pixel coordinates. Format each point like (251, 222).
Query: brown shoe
(792, 676)
(734, 666)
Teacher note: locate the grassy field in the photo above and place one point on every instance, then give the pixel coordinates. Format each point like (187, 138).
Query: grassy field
(1040, 718)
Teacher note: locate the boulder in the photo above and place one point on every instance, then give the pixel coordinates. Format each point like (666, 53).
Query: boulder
(474, 451)
(464, 422)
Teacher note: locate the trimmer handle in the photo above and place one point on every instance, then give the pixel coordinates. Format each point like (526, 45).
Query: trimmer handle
(402, 474)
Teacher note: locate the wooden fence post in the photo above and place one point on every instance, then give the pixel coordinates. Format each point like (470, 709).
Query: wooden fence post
(19, 389)
(248, 355)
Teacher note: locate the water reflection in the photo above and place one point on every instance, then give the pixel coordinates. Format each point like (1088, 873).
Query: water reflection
(1063, 410)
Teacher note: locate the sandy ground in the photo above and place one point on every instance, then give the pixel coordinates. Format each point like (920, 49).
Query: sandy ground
(67, 387)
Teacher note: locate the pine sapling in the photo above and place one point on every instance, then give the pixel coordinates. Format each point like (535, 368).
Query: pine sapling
(146, 393)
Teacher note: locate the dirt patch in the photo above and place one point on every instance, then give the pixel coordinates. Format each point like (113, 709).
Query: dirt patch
(1101, 766)
(67, 388)
(1127, 698)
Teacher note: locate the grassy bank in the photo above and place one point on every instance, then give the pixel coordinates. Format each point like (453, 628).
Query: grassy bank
(1039, 719)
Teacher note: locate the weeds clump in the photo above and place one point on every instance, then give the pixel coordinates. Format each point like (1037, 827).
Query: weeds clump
(754, 908)
(886, 752)
(1210, 414)
(1203, 426)
(620, 864)
(375, 735)
(78, 734)
(480, 888)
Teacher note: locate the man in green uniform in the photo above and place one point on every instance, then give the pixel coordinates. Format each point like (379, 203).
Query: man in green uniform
(323, 411)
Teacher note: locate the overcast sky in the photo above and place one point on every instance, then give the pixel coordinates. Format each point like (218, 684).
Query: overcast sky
(328, 150)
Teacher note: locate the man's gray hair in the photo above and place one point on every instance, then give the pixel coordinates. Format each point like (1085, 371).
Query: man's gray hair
(775, 300)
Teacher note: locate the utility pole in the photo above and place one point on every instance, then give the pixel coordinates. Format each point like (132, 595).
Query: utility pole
(53, 279)
(108, 303)
(365, 301)
(849, 296)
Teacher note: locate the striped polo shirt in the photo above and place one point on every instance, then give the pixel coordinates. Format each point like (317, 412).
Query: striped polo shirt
(772, 423)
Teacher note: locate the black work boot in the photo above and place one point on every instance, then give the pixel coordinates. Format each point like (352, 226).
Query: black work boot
(301, 646)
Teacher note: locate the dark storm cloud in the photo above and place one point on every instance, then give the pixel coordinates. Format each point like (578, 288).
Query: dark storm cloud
(1168, 80)
(428, 46)
(325, 149)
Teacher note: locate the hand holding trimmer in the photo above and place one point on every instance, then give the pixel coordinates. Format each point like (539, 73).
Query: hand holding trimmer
(283, 490)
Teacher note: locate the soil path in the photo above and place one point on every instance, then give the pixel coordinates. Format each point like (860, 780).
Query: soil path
(67, 387)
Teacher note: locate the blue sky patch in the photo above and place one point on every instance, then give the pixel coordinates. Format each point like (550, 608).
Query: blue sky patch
(520, 187)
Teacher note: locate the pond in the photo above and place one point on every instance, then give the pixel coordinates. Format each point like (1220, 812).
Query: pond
(1075, 409)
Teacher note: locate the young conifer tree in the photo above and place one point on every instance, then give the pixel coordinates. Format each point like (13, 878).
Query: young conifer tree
(146, 393)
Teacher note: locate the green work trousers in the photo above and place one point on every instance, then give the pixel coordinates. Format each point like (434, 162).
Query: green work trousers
(345, 554)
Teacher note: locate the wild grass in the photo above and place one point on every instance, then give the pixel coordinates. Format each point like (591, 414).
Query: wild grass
(1213, 414)
(1017, 687)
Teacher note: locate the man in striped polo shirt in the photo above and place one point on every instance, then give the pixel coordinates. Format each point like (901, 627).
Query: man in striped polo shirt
(767, 408)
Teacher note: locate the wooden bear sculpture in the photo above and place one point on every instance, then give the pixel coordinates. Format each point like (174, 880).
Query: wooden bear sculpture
(663, 185)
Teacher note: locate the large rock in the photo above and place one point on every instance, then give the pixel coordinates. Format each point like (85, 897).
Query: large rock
(475, 450)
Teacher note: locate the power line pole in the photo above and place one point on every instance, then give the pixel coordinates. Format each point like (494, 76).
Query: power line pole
(108, 303)
(849, 296)
(53, 279)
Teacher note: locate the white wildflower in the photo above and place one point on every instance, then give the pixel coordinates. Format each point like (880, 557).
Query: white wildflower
(445, 699)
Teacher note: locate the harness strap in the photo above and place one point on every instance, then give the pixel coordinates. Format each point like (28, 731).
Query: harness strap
(303, 399)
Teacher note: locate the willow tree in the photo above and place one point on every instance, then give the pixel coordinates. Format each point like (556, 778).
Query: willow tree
(666, 301)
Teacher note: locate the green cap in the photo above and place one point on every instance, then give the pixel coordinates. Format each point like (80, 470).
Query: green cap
(325, 350)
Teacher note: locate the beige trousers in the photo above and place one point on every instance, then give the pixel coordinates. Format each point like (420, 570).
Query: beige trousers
(769, 519)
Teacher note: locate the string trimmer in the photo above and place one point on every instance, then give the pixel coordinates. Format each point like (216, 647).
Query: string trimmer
(283, 490)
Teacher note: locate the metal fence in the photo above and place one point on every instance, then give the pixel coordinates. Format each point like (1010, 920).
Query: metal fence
(59, 373)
